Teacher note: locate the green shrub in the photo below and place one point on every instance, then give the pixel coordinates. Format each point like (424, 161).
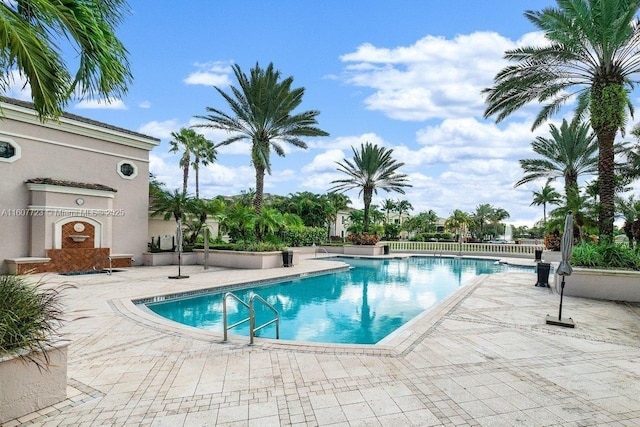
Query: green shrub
(363, 239)
(30, 315)
(605, 255)
(306, 236)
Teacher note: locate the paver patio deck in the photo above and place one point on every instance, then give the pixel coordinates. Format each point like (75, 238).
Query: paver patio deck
(483, 357)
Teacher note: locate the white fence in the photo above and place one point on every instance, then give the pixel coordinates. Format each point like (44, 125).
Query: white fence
(452, 247)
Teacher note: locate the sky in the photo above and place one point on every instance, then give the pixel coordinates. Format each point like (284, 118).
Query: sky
(403, 74)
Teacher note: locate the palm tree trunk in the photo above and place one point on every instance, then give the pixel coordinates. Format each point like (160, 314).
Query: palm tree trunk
(185, 177)
(606, 182)
(257, 200)
(368, 193)
(197, 171)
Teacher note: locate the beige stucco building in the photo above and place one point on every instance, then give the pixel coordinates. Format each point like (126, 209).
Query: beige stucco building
(73, 192)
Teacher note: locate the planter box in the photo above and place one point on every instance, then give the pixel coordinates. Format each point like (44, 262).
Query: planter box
(24, 388)
(332, 249)
(614, 285)
(169, 258)
(366, 250)
(248, 260)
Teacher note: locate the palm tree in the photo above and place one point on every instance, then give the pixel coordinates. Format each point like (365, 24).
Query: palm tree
(388, 205)
(592, 55)
(31, 34)
(203, 153)
(262, 112)
(183, 141)
(569, 153)
(630, 209)
(458, 221)
(372, 168)
(547, 195)
(402, 207)
(481, 217)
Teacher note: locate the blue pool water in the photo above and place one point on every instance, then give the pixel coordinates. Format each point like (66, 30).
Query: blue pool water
(357, 306)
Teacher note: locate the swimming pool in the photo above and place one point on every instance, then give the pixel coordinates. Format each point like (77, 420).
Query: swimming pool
(361, 305)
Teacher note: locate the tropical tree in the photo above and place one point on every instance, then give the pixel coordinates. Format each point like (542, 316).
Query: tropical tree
(372, 168)
(403, 207)
(174, 204)
(480, 218)
(547, 195)
(191, 143)
(31, 34)
(570, 152)
(262, 111)
(458, 221)
(388, 206)
(592, 55)
(204, 153)
(630, 210)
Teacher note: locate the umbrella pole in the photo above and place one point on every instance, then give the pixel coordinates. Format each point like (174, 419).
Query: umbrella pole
(561, 295)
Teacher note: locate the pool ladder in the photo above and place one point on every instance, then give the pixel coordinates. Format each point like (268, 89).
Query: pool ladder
(252, 316)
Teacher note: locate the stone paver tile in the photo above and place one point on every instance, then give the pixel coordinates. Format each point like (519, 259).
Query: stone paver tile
(357, 411)
(169, 420)
(271, 421)
(323, 401)
(329, 416)
(233, 413)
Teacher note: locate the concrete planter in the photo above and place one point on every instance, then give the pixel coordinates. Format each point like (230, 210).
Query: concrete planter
(168, 258)
(365, 250)
(248, 260)
(614, 285)
(333, 249)
(24, 388)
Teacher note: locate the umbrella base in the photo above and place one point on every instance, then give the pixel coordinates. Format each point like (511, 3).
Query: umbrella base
(178, 277)
(567, 323)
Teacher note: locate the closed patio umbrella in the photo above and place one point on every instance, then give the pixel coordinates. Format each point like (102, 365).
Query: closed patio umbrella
(179, 238)
(564, 269)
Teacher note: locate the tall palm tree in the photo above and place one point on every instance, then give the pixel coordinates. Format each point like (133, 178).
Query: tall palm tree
(593, 55)
(569, 153)
(31, 34)
(204, 153)
(262, 112)
(183, 141)
(388, 205)
(372, 168)
(403, 207)
(547, 195)
(481, 217)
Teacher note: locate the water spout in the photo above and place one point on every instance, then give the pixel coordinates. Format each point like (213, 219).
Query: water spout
(109, 271)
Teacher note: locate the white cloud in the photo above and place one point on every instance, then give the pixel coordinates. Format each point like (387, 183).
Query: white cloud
(210, 74)
(145, 104)
(17, 86)
(433, 78)
(101, 104)
(325, 161)
(346, 142)
(160, 129)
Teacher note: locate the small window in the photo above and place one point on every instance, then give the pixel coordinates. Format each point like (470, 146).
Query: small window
(9, 151)
(127, 169)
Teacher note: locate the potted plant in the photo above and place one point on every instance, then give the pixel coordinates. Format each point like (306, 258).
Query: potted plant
(33, 360)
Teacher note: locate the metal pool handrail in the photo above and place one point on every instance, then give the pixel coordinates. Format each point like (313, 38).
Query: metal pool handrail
(253, 329)
(252, 316)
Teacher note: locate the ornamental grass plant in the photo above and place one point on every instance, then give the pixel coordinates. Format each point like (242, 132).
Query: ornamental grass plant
(30, 317)
(606, 255)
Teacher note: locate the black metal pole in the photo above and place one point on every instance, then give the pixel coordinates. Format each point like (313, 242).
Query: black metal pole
(561, 294)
